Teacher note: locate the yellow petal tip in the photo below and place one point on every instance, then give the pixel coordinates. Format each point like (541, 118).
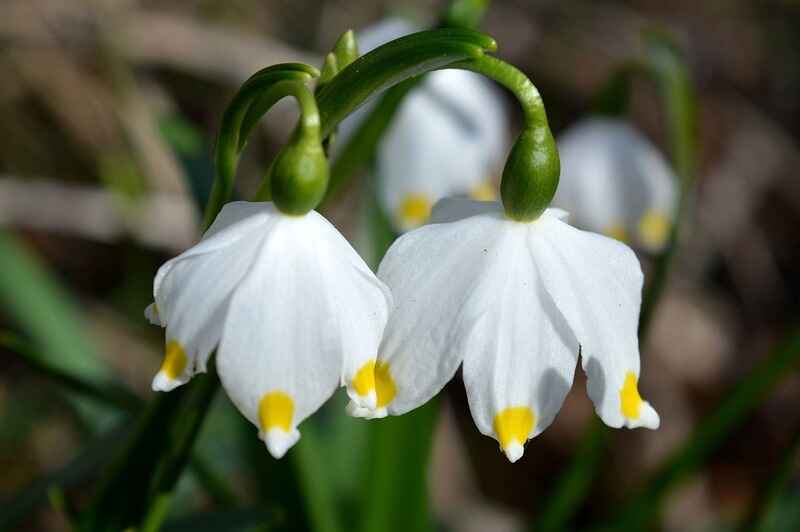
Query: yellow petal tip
(513, 426)
(630, 400)
(175, 360)
(275, 411)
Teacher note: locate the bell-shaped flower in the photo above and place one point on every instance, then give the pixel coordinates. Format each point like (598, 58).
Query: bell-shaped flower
(616, 182)
(290, 307)
(443, 141)
(517, 303)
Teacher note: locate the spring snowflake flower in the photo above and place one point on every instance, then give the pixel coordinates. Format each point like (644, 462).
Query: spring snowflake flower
(516, 302)
(290, 307)
(616, 182)
(444, 140)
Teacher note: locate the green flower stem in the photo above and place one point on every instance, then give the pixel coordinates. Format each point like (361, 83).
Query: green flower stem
(530, 176)
(667, 66)
(396, 488)
(228, 145)
(515, 81)
(709, 435)
(311, 471)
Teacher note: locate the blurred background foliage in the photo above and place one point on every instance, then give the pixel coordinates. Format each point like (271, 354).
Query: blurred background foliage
(108, 114)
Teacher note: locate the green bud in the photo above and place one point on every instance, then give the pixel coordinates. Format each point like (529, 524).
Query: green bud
(345, 49)
(299, 175)
(329, 69)
(530, 177)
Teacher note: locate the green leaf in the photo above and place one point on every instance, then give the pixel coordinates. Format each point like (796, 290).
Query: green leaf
(39, 305)
(102, 391)
(643, 507)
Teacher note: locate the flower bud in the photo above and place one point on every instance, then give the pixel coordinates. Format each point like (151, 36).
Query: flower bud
(299, 175)
(530, 176)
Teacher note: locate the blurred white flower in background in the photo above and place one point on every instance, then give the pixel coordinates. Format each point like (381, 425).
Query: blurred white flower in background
(516, 302)
(448, 138)
(616, 182)
(288, 304)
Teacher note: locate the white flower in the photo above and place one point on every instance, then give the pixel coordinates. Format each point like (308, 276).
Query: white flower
(516, 303)
(616, 182)
(290, 307)
(445, 140)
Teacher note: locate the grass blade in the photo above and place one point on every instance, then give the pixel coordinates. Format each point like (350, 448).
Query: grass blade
(712, 432)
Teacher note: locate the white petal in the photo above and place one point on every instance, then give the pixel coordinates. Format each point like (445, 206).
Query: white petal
(193, 290)
(613, 178)
(435, 274)
(360, 302)
(521, 355)
(151, 314)
(292, 325)
(596, 283)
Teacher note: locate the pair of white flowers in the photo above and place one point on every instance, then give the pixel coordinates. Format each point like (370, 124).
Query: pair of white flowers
(293, 312)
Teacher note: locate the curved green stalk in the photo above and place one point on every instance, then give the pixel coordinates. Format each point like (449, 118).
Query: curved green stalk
(227, 149)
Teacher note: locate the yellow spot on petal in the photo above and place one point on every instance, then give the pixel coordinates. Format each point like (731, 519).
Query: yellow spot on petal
(385, 388)
(617, 232)
(375, 376)
(514, 425)
(364, 381)
(484, 192)
(630, 400)
(415, 209)
(654, 228)
(174, 360)
(275, 410)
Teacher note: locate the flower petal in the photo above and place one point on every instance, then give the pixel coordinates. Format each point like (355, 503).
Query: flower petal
(151, 314)
(435, 274)
(521, 356)
(192, 291)
(290, 325)
(616, 182)
(360, 302)
(596, 283)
